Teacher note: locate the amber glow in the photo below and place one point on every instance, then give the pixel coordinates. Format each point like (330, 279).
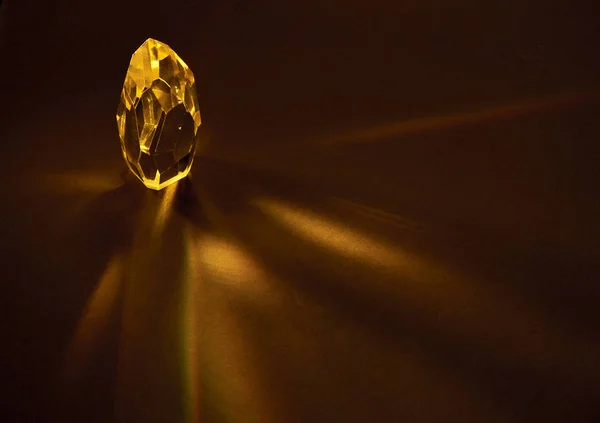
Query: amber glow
(158, 115)
(378, 214)
(333, 235)
(458, 303)
(77, 183)
(227, 263)
(231, 272)
(164, 208)
(192, 329)
(443, 122)
(95, 317)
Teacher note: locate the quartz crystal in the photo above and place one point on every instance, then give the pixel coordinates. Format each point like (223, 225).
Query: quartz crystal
(158, 115)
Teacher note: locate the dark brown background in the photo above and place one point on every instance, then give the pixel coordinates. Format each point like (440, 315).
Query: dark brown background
(441, 160)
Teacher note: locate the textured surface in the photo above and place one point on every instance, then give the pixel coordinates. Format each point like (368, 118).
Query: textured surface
(396, 219)
(158, 115)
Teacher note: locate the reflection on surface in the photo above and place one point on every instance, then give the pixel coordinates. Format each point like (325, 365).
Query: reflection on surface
(92, 325)
(453, 304)
(151, 355)
(376, 214)
(230, 289)
(192, 331)
(226, 263)
(449, 121)
(218, 357)
(78, 183)
(331, 234)
(166, 204)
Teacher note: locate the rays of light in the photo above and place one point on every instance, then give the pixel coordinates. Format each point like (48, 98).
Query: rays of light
(378, 214)
(234, 374)
(225, 272)
(465, 307)
(152, 300)
(238, 378)
(164, 209)
(227, 263)
(335, 236)
(82, 182)
(223, 259)
(442, 122)
(230, 272)
(192, 331)
(81, 186)
(95, 317)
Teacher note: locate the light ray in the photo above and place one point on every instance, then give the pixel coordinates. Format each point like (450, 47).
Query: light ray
(230, 271)
(227, 263)
(335, 236)
(442, 122)
(95, 318)
(192, 330)
(153, 300)
(164, 209)
(378, 214)
(80, 183)
(467, 308)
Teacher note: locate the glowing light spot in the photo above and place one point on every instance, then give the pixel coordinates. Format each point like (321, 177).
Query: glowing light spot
(227, 263)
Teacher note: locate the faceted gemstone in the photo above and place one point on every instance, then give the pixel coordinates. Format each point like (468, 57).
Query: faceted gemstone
(158, 115)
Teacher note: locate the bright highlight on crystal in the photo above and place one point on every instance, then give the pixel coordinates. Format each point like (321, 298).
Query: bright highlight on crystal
(158, 115)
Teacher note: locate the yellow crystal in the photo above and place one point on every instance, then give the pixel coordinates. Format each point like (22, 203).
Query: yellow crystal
(158, 115)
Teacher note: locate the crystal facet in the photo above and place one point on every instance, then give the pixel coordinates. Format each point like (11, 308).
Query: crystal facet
(158, 115)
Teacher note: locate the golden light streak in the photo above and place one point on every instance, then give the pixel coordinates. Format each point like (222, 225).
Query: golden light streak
(232, 373)
(335, 236)
(465, 307)
(192, 327)
(442, 122)
(227, 263)
(236, 379)
(95, 317)
(165, 207)
(78, 183)
(378, 214)
(151, 322)
(231, 272)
